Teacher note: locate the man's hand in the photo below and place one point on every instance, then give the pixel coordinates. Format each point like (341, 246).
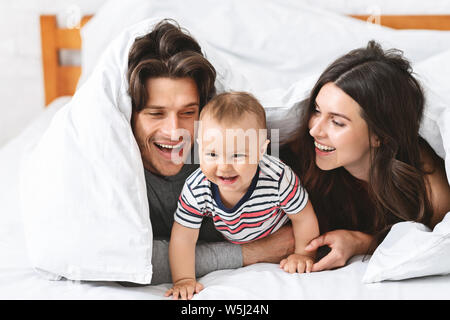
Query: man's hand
(185, 289)
(271, 249)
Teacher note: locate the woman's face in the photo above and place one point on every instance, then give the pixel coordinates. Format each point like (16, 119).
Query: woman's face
(341, 135)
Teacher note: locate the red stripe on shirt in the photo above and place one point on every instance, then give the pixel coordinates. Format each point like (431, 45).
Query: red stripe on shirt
(245, 215)
(289, 197)
(188, 208)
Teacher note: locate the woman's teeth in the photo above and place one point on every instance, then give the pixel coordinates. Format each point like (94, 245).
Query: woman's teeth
(323, 148)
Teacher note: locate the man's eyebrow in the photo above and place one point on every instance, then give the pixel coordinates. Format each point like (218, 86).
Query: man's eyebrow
(191, 104)
(154, 107)
(334, 113)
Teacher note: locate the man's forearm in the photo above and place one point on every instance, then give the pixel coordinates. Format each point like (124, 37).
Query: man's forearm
(271, 249)
(209, 257)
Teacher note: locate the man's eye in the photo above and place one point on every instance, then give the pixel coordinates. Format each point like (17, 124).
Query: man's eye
(155, 114)
(189, 113)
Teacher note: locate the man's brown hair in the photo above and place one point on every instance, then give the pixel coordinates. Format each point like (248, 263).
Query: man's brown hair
(168, 51)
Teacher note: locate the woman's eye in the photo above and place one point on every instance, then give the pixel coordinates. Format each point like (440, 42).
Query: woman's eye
(211, 154)
(338, 123)
(238, 156)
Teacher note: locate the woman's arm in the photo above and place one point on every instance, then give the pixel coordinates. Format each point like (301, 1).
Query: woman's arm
(437, 185)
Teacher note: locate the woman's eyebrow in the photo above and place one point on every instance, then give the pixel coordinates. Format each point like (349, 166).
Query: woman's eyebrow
(335, 113)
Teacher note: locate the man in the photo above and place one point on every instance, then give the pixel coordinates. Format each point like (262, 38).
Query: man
(169, 82)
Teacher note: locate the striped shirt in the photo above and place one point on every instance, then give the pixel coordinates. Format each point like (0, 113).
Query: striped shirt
(274, 192)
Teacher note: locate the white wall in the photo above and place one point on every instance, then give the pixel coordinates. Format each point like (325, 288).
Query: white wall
(21, 80)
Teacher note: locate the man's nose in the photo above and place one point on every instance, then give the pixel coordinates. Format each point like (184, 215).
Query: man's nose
(171, 125)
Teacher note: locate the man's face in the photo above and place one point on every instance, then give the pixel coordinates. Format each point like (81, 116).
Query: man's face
(164, 128)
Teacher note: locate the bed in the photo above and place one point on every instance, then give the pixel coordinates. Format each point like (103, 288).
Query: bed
(262, 281)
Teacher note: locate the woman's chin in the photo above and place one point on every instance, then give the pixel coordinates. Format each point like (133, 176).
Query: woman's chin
(324, 165)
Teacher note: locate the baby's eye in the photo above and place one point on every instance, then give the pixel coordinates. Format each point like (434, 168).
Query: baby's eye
(211, 154)
(238, 156)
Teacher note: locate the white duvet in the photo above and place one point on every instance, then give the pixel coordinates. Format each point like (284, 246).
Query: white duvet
(83, 191)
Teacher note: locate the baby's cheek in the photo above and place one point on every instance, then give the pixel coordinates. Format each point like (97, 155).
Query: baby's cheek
(207, 170)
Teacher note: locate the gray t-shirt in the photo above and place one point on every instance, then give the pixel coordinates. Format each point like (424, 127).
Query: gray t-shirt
(163, 194)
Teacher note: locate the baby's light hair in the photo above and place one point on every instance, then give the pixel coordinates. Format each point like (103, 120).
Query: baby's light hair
(230, 107)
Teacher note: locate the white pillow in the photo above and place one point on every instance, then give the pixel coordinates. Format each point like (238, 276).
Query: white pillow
(433, 75)
(411, 250)
(83, 192)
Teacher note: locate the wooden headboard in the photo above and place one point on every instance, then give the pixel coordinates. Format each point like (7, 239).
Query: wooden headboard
(61, 80)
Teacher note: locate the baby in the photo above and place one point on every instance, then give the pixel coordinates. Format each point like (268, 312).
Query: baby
(248, 194)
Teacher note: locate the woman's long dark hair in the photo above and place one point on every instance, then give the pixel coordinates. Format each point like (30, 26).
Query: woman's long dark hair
(392, 103)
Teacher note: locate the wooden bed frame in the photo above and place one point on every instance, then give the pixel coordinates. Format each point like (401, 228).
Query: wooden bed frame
(61, 80)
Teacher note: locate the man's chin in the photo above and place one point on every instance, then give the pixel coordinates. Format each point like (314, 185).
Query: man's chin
(166, 170)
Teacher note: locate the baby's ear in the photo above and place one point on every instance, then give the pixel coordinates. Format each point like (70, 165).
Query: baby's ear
(264, 146)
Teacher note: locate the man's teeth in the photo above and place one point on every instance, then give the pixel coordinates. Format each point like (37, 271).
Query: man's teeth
(167, 146)
(322, 147)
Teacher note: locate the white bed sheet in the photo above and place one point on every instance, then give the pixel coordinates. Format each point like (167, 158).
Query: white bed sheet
(260, 281)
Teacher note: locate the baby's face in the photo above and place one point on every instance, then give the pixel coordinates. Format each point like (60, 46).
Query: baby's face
(229, 153)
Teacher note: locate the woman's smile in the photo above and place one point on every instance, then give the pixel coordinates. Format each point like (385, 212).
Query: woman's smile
(322, 149)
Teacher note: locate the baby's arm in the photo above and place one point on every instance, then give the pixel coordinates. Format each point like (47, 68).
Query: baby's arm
(182, 262)
(305, 228)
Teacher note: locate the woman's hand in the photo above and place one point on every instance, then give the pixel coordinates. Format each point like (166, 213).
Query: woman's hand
(344, 244)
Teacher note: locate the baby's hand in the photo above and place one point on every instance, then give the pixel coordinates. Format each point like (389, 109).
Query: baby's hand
(185, 289)
(297, 263)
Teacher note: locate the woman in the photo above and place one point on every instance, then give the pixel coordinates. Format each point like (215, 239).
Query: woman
(359, 154)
